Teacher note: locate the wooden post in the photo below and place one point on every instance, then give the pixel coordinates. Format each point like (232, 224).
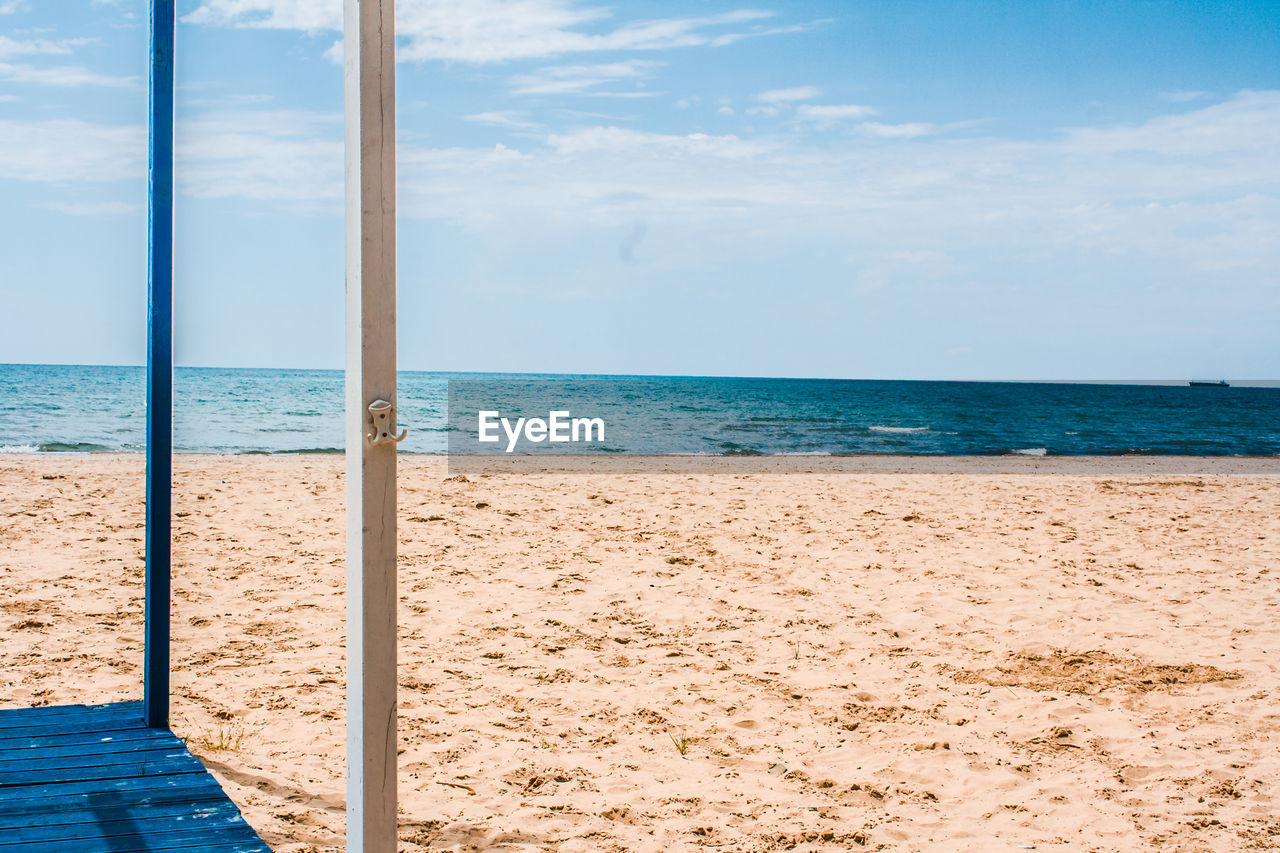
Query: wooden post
(369, 46)
(159, 476)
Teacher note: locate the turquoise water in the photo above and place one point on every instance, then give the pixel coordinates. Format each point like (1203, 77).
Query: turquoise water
(56, 408)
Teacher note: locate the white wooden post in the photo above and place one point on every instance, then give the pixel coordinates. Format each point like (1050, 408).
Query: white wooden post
(369, 45)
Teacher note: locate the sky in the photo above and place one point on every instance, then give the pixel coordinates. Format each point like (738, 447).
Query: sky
(879, 189)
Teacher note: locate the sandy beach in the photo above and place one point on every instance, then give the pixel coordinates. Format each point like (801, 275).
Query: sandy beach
(753, 656)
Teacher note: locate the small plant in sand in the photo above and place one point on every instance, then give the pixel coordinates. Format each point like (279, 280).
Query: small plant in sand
(225, 738)
(681, 743)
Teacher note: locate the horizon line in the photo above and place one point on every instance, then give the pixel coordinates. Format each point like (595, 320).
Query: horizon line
(1235, 382)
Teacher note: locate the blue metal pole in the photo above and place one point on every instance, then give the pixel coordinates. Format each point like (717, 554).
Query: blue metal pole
(159, 369)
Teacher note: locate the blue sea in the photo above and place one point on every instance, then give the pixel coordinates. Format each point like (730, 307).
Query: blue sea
(58, 408)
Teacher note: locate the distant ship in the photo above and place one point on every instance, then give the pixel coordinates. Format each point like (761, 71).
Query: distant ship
(1209, 383)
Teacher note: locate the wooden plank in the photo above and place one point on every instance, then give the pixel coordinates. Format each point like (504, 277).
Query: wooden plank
(369, 77)
(79, 726)
(123, 822)
(68, 821)
(83, 724)
(145, 752)
(159, 472)
(68, 775)
(91, 794)
(55, 739)
(66, 784)
(233, 839)
(81, 772)
(141, 758)
(140, 740)
(93, 787)
(86, 722)
(131, 717)
(60, 710)
(250, 844)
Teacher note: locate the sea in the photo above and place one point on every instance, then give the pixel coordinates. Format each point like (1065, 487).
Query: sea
(97, 409)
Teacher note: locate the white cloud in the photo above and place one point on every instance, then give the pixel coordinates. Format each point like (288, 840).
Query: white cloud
(65, 151)
(1199, 190)
(635, 93)
(309, 15)
(1234, 124)
(12, 47)
(57, 75)
(105, 208)
(833, 112)
(129, 10)
(909, 130)
(281, 156)
(63, 75)
(289, 156)
(880, 268)
(582, 79)
(796, 93)
(1174, 189)
(616, 140)
(503, 118)
(495, 30)
(8, 7)
(1182, 97)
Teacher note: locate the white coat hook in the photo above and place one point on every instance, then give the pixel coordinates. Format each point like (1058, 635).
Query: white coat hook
(383, 415)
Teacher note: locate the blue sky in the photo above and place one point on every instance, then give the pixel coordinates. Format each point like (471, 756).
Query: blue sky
(854, 189)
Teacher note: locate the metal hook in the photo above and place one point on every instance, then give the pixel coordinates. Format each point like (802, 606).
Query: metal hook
(383, 415)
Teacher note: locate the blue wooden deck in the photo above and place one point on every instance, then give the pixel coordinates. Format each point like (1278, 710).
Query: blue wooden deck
(94, 779)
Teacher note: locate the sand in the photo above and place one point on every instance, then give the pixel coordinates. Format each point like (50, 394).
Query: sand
(763, 657)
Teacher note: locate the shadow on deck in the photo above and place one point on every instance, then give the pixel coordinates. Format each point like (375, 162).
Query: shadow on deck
(94, 779)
